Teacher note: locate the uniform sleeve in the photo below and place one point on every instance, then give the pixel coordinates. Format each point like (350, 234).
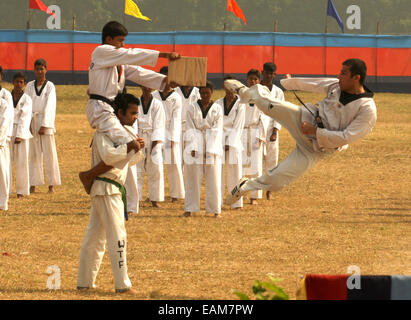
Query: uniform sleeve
(175, 124)
(108, 153)
(193, 137)
(10, 117)
(235, 134)
(262, 126)
(318, 85)
(214, 135)
(273, 123)
(145, 77)
(108, 56)
(23, 126)
(50, 108)
(361, 125)
(159, 122)
(4, 122)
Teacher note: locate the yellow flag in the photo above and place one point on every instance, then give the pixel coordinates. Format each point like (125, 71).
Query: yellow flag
(132, 9)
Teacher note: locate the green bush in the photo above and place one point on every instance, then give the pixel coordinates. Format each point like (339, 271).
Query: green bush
(265, 290)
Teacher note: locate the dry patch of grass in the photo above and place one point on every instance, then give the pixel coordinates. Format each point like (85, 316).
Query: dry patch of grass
(351, 209)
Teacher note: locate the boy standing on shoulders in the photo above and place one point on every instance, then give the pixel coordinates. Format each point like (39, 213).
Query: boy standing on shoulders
(111, 65)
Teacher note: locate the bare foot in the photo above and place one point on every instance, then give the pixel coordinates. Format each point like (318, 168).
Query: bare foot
(253, 201)
(20, 196)
(32, 189)
(51, 189)
(126, 291)
(86, 181)
(155, 204)
(186, 214)
(216, 215)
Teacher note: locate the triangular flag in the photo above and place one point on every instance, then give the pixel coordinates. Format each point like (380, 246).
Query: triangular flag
(38, 5)
(332, 12)
(132, 10)
(234, 8)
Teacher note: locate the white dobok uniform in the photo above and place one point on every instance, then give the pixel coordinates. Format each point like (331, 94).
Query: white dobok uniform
(151, 123)
(192, 97)
(109, 69)
(5, 117)
(204, 135)
(254, 130)
(6, 95)
(347, 118)
(43, 146)
(106, 224)
(131, 183)
(172, 106)
(233, 125)
(272, 147)
(20, 152)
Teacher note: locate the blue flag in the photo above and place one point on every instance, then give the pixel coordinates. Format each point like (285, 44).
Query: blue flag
(332, 12)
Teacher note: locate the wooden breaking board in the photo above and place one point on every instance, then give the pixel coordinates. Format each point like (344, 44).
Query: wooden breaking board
(188, 71)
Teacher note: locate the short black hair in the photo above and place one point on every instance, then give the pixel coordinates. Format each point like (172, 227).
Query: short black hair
(164, 70)
(40, 62)
(269, 67)
(229, 77)
(254, 72)
(357, 67)
(113, 29)
(122, 102)
(20, 75)
(209, 85)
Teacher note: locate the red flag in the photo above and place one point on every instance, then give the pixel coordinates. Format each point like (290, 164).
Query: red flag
(37, 4)
(234, 8)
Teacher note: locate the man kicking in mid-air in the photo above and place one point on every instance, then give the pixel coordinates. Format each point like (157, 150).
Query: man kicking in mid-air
(347, 114)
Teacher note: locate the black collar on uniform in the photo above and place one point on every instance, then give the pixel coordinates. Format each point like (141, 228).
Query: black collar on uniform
(227, 109)
(189, 93)
(346, 98)
(165, 98)
(38, 93)
(146, 106)
(15, 102)
(204, 112)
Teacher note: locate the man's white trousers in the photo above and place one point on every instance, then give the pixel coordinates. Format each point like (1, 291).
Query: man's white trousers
(43, 147)
(106, 225)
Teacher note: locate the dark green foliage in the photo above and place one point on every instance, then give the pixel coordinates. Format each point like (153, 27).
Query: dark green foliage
(265, 290)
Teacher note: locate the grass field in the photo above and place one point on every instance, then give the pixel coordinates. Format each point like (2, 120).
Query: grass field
(354, 208)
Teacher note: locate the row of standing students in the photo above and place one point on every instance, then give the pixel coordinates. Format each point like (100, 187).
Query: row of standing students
(194, 137)
(27, 134)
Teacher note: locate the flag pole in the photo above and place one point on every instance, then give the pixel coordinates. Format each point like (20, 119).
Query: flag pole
(124, 14)
(325, 42)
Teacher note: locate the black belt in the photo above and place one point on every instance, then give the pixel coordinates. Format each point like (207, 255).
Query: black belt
(316, 116)
(101, 98)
